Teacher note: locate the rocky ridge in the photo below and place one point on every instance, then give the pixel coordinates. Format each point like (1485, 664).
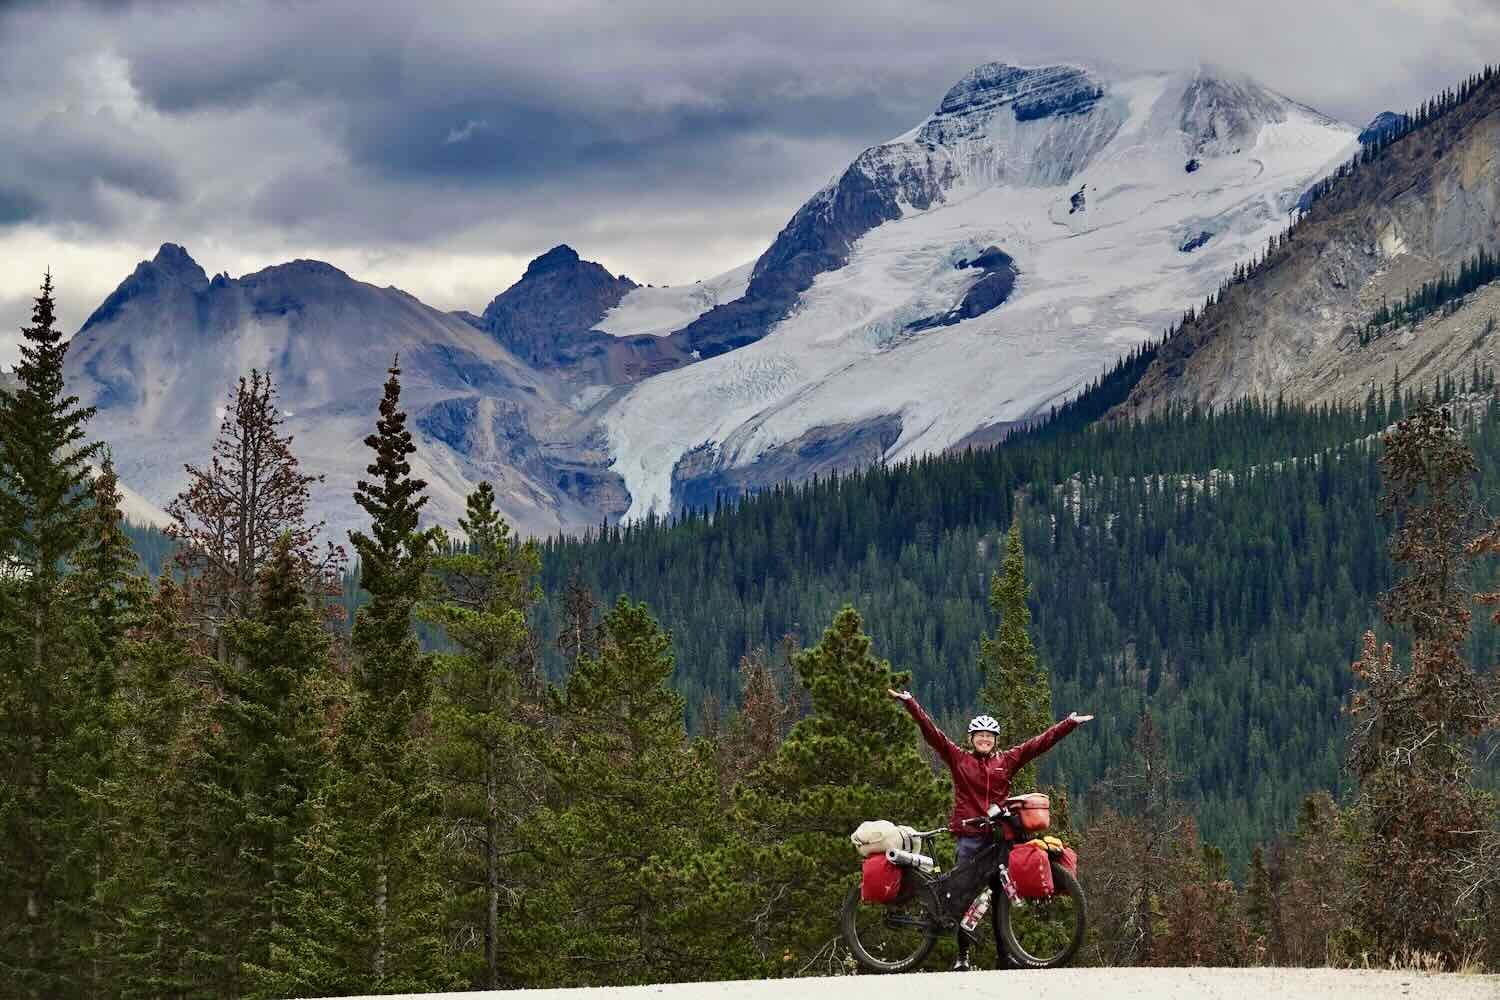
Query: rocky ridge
(1427, 202)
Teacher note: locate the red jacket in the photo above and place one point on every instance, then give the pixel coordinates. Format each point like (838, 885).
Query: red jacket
(979, 781)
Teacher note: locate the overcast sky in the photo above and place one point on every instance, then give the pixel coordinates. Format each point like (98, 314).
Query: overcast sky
(440, 146)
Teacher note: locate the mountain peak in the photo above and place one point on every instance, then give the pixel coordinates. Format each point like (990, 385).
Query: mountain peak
(168, 273)
(1000, 90)
(558, 257)
(174, 261)
(1386, 121)
(556, 303)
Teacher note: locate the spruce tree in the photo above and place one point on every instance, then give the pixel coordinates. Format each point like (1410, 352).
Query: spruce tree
(369, 903)
(1016, 688)
(1418, 811)
(112, 599)
(163, 858)
(262, 757)
(854, 758)
(635, 804)
(490, 782)
(229, 517)
(46, 874)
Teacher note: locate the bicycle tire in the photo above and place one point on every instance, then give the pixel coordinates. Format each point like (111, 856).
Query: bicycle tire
(865, 952)
(1064, 885)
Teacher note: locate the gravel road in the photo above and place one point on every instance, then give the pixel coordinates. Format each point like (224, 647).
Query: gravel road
(1058, 984)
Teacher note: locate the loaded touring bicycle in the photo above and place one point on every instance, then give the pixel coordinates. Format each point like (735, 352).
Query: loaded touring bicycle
(894, 915)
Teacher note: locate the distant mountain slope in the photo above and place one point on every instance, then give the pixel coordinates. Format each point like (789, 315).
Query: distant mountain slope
(160, 354)
(1422, 206)
(947, 285)
(1102, 208)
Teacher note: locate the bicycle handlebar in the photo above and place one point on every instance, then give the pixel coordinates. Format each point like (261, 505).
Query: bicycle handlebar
(995, 813)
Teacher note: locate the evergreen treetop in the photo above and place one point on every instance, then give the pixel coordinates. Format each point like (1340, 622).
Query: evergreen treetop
(1016, 687)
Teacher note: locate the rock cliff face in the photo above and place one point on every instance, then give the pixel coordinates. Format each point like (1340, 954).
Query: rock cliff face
(1429, 201)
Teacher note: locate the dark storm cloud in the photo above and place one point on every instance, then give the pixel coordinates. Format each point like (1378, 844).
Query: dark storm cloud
(669, 136)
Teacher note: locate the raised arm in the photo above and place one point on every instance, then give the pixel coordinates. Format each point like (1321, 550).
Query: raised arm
(1020, 756)
(935, 737)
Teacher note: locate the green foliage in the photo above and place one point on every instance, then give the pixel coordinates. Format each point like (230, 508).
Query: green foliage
(1016, 687)
(1227, 599)
(159, 939)
(1430, 296)
(634, 803)
(263, 754)
(854, 758)
(369, 899)
(52, 743)
(485, 721)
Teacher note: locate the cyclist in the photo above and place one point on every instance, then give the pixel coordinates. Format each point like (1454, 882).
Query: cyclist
(980, 776)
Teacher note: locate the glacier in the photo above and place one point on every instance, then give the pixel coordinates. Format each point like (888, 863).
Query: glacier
(1001, 163)
(1041, 222)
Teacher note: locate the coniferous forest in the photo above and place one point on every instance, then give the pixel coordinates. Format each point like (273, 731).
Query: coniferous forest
(244, 759)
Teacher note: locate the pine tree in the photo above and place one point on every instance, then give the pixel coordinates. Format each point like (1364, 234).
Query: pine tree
(1016, 688)
(636, 803)
(1201, 917)
(1131, 851)
(46, 874)
(578, 635)
(767, 710)
(1313, 899)
(490, 782)
(1262, 908)
(113, 600)
(854, 758)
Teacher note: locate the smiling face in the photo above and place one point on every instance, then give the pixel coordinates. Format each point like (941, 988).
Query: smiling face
(983, 742)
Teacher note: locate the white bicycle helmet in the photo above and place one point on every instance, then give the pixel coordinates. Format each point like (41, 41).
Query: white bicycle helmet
(984, 724)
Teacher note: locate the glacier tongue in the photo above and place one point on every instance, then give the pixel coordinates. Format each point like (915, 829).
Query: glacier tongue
(1087, 187)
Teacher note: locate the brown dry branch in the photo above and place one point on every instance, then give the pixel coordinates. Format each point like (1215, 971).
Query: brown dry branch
(233, 511)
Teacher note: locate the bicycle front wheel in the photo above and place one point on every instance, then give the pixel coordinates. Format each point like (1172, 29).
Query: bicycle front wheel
(1045, 933)
(887, 938)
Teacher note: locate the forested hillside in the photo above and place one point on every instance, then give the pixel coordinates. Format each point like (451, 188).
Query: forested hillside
(220, 790)
(1219, 568)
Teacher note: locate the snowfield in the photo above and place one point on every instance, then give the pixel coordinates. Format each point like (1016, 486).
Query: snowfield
(1093, 283)
(656, 312)
(1060, 984)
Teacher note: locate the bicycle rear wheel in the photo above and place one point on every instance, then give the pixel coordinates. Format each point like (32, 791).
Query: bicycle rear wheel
(1045, 933)
(892, 937)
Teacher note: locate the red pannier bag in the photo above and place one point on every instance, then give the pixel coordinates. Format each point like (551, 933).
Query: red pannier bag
(1031, 871)
(1033, 810)
(1068, 858)
(881, 882)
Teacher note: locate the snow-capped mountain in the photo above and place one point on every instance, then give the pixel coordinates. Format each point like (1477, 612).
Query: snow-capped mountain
(1041, 222)
(1097, 209)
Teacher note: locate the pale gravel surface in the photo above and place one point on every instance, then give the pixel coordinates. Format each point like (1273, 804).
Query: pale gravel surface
(1059, 984)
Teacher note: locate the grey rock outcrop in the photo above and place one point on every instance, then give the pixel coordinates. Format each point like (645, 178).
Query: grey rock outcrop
(1428, 202)
(701, 479)
(159, 356)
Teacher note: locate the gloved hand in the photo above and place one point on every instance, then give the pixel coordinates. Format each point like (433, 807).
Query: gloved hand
(1080, 719)
(898, 695)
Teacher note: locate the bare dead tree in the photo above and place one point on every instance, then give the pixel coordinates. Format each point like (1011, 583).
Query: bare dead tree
(231, 513)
